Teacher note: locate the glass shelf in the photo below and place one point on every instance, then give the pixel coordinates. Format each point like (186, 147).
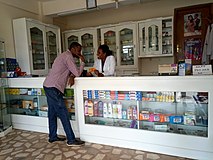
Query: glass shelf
(33, 102)
(173, 112)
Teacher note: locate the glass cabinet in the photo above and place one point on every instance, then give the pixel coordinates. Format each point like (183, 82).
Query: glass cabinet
(5, 119)
(109, 38)
(36, 44)
(160, 111)
(36, 34)
(53, 45)
(156, 37)
(122, 40)
(32, 102)
(88, 38)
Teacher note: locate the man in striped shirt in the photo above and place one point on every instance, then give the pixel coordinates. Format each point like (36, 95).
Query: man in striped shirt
(63, 70)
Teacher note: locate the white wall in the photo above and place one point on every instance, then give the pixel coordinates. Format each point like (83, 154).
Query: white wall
(11, 9)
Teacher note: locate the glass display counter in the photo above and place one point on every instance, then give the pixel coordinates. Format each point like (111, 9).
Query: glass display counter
(33, 102)
(164, 114)
(173, 112)
(5, 120)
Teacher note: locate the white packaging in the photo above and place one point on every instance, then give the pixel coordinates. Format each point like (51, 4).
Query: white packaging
(119, 106)
(105, 110)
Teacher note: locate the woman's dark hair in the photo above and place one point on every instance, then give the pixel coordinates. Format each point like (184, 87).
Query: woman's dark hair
(74, 44)
(105, 49)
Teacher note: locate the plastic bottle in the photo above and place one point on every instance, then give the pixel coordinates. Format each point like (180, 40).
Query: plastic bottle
(90, 108)
(105, 110)
(119, 106)
(115, 110)
(96, 108)
(124, 114)
(86, 108)
(129, 113)
(100, 109)
(134, 113)
(110, 110)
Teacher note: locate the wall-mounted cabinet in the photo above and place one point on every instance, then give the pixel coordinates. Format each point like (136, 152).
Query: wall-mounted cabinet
(88, 38)
(156, 37)
(36, 45)
(122, 40)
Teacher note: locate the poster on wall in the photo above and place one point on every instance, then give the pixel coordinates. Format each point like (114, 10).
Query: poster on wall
(193, 49)
(192, 24)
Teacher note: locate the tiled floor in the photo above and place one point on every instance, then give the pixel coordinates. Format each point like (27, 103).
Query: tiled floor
(26, 145)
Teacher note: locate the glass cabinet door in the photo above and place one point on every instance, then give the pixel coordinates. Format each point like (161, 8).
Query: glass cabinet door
(110, 40)
(37, 43)
(51, 47)
(88, 49)
(167, 38)
(70, 39)
(153, 38)
(126, 46)
(2, 60)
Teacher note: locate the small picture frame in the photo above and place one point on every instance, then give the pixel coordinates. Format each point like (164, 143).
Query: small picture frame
(91, 4)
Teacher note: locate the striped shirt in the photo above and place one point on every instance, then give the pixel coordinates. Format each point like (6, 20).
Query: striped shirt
(63, 66)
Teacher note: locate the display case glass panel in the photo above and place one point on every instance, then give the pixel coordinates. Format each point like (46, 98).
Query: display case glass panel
(153, 38)
(167, 36)
(33, 102)
(37, 43)
(143, 40)
(88, 49)
(51, 47)
(5, 120)
(110, 40)
(126, 47)
(71, 39)
(161, 111)
(3, 69)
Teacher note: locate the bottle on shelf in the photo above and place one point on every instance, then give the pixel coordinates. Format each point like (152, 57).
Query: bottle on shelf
(96, 108)
(119, 107)
(90, 108)
(110, 110)
(86, 108)
(105, 110)
(100, 109)
(115, 110)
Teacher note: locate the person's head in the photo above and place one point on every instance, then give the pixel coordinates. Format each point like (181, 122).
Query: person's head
(75, 49)
(103, 52)
(196, 15)
(190, 17)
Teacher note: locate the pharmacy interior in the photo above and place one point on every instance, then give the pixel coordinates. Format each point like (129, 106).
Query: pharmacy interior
(169, 111)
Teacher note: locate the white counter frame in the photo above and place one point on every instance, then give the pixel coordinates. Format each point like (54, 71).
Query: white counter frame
(160, 142)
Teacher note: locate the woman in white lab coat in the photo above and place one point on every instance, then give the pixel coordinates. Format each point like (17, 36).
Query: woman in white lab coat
(105, 64)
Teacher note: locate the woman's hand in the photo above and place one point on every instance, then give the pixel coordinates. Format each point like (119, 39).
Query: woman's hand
(98, 73)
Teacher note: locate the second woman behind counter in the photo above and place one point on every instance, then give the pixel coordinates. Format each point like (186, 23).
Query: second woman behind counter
(105, 64)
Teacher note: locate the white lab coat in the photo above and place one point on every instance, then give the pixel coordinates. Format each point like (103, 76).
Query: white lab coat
(208, 46)
(109, 66)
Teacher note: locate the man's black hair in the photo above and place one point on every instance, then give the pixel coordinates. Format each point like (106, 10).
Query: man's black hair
(74, 44)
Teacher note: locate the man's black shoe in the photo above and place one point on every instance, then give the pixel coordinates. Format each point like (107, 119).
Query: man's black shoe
(57, 139)
(76, 143)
